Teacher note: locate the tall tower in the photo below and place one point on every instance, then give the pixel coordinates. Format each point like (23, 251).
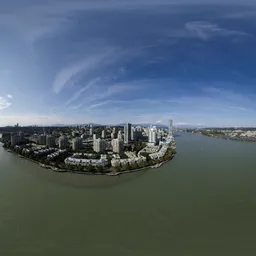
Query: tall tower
(170, 130)
(127, 132)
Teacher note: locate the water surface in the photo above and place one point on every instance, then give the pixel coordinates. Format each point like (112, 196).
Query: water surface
(203, 202)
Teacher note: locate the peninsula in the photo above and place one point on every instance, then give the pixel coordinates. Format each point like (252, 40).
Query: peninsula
(92, 149)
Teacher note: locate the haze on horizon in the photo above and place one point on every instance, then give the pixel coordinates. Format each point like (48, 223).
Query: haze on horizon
(142, 61)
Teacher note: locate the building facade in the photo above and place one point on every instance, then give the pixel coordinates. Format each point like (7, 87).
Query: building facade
(50, 141)
(99, 145)
(63, 142)
(42, 139)
(117, 146)
(170, 128)
(15, 140)
(77, 144)
(152, 135)
(127, 132)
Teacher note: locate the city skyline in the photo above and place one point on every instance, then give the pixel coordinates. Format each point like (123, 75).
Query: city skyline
(121, 61)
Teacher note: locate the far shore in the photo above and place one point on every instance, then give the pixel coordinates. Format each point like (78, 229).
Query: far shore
(107, 172)
(229, 138)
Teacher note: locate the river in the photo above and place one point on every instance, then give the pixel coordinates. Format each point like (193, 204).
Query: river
(203, 202)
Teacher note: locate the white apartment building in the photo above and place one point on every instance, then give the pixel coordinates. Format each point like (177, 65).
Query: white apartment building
(117, 145)
(63, 142)
(119, 135)
(99, 145)
(152, 135)
(77, 144)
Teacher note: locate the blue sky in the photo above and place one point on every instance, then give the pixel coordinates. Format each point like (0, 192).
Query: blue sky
(143, 61)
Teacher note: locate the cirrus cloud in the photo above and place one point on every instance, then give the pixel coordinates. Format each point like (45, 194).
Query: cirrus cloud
(4, 103)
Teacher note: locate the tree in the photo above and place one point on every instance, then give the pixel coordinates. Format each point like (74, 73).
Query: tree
(126, 167)
(117, 168)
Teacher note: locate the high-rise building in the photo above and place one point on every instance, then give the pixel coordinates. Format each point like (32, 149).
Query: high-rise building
(170, 129)
(21, 134)
(133, 134)
(152, 135)
(91, 131)
(103, 134)
(94, 136)
(63, 142)
(117, 145)
(50, 141)
(77, 144)
(119, 135)
(99, 145)
(127, 132)
(15, 140)
(42, 139)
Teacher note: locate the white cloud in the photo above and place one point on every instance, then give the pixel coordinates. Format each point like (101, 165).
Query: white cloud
(99, 104)
(91, 83)
(206, 30)
(66, 77)
(4, 103)
(9, 96)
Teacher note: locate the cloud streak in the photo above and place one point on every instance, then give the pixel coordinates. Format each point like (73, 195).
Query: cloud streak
(206, 30)
(67, 76)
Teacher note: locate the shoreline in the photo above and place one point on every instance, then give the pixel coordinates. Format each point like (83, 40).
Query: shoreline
(141, 169)
(233, 139)
(107, 172)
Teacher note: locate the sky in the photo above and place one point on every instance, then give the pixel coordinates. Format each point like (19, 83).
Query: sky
(143, 61)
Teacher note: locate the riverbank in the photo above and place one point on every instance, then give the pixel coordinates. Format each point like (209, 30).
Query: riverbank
(107, 172)
(230, 138)
(140, 169)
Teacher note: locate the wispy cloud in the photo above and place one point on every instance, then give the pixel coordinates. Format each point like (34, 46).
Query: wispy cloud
(98, 104)
(75, 96)
(66, 77)
(238, 108)
(206, 30)
(9, 96)
(4, 103)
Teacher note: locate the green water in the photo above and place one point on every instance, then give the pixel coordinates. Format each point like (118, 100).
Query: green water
(203, 202)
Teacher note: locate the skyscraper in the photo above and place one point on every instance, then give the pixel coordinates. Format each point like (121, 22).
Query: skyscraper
(117, 145)
(152, 135)
(50, 141)
(77, 144)
(63, 142)
(170, 127)
(42, 139)
(127, 132)
(103, 134)
(99, 145)
(120, 136)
